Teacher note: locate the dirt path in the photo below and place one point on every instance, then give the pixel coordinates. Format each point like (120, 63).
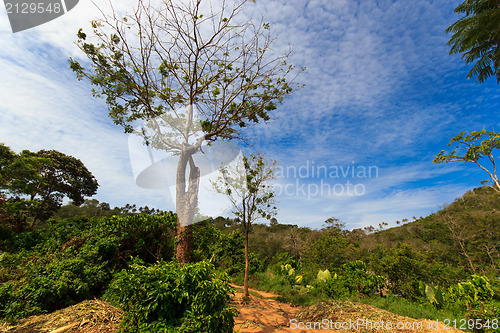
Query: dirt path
(264, 314)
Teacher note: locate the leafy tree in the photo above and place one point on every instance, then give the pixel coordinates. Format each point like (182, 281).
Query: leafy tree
(327, 251)
(404, 268)
(335, 226)
(476, 148)
(195, 74)
(477, 36)
(63, 176)
(7, 157)
(36, 183)
(247, 187)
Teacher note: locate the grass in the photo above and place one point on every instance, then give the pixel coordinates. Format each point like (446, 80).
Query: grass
(297, 295)
(406, 308)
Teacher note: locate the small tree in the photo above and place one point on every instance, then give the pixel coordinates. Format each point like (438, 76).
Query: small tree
(194, 73)
(335, 226)
(475, 149)
(247, 187)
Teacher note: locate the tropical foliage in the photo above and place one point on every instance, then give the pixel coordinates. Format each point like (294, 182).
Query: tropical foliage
(33, 185)
(476, 35)
(478, 147)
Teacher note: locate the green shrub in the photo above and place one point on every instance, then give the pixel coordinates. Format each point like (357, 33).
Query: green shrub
(207, 242)
(149, 237)
(404, 268)
(473, 299)
(228, 253)
(74, 259)
(282, 259)
(352, 279)
(358, 280)
(334, 288)
(435, 295)
(166, 297)
(49, 283)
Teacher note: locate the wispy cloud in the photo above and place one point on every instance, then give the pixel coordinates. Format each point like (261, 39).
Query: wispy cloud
(380, 90)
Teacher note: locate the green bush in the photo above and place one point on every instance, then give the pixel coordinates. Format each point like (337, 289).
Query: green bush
(207, 242)
(75, 259)
(475, 299)
(167, 297)
(334, 288)
(404, 268)
(352, 279)
(472, 299)
(149, 237)
(49, 283)
(358, 280)
(282, 259)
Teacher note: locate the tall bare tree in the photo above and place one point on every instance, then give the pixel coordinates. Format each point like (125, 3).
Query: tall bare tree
(195, 71)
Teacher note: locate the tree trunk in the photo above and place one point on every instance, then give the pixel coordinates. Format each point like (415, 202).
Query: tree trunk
(491, 251)
(247, 264)
(460, 239)
(186, 201)
(184, 246)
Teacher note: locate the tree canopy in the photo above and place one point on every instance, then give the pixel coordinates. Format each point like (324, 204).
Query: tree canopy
(477, 36)
(477, 147)
(35, 184)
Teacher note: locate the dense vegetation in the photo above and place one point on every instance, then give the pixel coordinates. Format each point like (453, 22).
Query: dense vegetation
(126, 259)
(445, 264)
(448, 260)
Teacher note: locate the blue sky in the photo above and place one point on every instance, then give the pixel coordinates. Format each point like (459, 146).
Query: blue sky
(381, 92)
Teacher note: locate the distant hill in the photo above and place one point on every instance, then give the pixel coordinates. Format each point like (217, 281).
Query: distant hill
(465, 232)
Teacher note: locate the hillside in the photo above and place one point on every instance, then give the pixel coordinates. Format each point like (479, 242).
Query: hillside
(464, 233)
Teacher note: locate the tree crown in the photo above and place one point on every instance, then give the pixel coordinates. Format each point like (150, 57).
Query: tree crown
(477, 36)
(191, 71)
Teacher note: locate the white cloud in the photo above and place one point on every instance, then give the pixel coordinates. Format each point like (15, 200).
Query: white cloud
(380, 90)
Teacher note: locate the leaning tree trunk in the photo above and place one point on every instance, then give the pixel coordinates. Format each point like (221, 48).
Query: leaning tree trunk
(186, 201)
